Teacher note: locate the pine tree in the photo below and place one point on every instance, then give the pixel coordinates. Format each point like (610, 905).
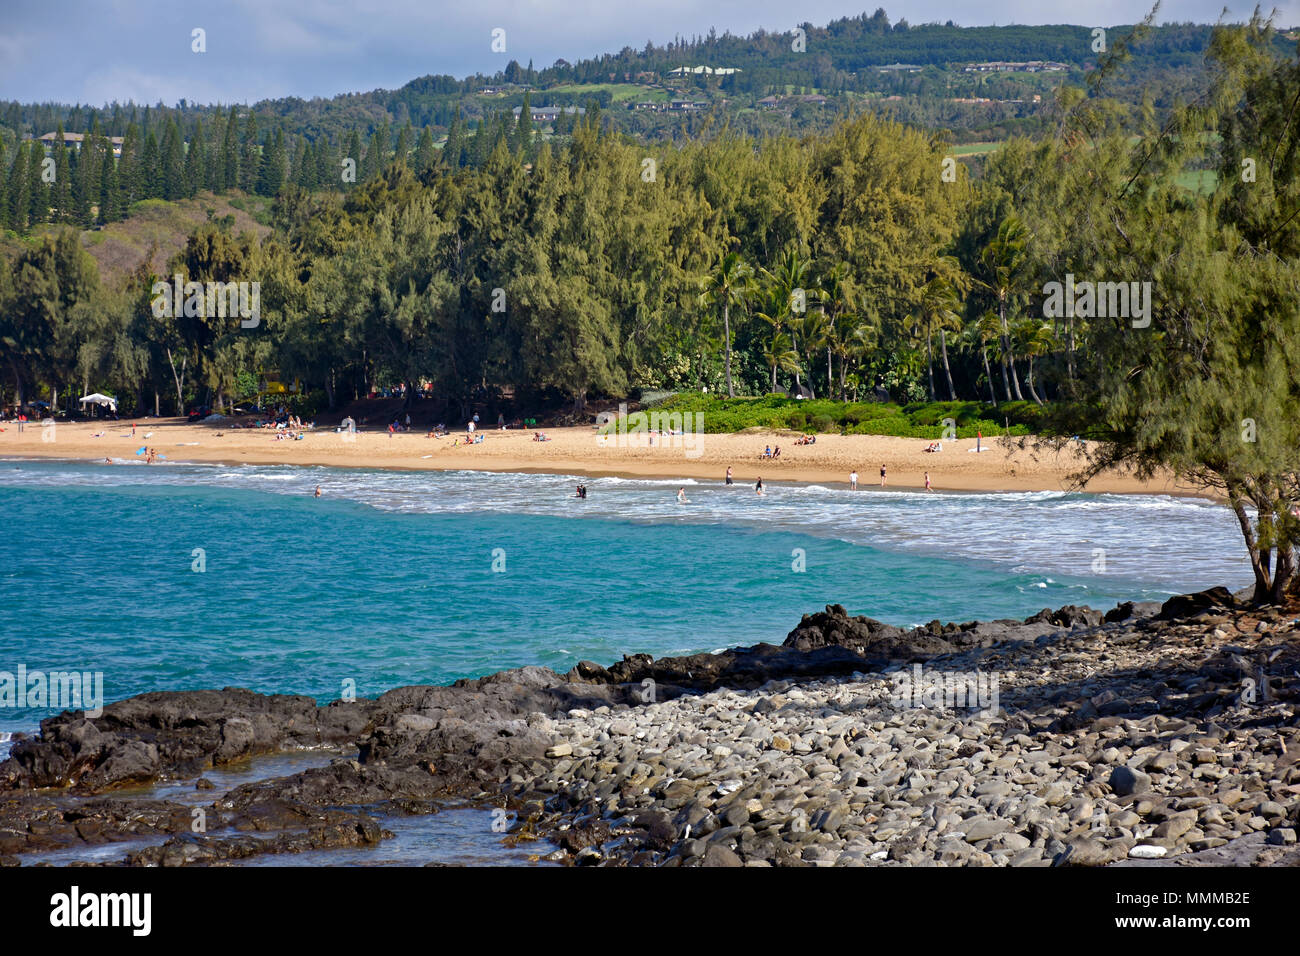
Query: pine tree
(215, 172)
(522, 143)
(250, 156)
(4, 191)
(403, 144)
(353, 153)
(173, 164)
(425, 157)
(150, 178)
(374, 159)
(128, 166)
(39, 190)
(451, 151)
(327, 165)
(20, 197)
(298, 171)
(110, 198)
(272, 178)
(61, 194)
(230, 152)
(195, 161)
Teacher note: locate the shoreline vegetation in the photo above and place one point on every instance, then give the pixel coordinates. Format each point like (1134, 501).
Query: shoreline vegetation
(853, 744)
(1001, 466)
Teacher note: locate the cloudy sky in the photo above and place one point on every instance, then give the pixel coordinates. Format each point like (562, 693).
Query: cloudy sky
(97, 51)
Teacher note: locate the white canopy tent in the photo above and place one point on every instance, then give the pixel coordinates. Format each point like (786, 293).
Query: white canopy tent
(98, 399)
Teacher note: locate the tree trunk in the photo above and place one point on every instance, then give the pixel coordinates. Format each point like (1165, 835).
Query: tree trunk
(1258, 561)
(943, 349)
(929, 361)
(830, 382)
(1070, 355)
(988, 374)
(726, 334)
(1015, 378)
(180, 382)
(1030, 382)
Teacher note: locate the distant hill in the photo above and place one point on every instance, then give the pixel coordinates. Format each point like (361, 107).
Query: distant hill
(119, 247)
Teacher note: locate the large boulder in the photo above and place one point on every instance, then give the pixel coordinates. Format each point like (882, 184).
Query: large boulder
(1190, 605)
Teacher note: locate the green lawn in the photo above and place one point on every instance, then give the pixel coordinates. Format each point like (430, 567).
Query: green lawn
(621, 92)
(973, 149)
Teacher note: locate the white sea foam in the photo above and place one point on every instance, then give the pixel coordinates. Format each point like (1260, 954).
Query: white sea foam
(1171, 544)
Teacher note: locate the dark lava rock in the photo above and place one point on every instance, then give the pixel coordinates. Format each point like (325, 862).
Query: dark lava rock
(1189, 605)
(1067, 616)
(138, 739)
(1132, 610)
(867, 637)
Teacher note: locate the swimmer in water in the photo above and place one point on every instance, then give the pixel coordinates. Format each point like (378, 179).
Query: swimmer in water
(317, 494)
(681, 496)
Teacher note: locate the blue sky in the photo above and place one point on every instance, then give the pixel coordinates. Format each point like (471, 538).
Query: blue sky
(97, 51)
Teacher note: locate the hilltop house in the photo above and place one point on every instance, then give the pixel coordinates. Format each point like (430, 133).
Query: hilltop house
(704, 71)
(547, 114)
(74, 140)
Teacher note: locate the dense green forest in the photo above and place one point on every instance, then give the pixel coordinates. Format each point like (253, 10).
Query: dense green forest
(849, 264)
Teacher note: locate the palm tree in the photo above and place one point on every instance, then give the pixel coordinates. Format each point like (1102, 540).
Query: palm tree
(849, 336)
(1006, 263)
(835, 300)
(937, 311)
(780, 354)
(788, 286)
(978, 334)
(730, 283)
(811, 331)
(1034, 337)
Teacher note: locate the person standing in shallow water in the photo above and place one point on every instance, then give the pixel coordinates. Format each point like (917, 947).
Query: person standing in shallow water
(758, 487)
(853, 481)
(729, 475)
(882, 476)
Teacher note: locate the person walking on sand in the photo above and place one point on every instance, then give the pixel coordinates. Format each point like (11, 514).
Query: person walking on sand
(133, 429)
(882, 476)
(979, 436)
(729, 481)
(853, 481)
(927, 482)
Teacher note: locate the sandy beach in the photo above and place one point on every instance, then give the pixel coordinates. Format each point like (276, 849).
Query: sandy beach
(581, 451)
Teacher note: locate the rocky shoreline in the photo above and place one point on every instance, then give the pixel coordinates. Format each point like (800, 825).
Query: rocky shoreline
(1148, 735)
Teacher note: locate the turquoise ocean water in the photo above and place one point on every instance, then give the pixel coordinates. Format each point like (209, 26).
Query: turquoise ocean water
(397, 578)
